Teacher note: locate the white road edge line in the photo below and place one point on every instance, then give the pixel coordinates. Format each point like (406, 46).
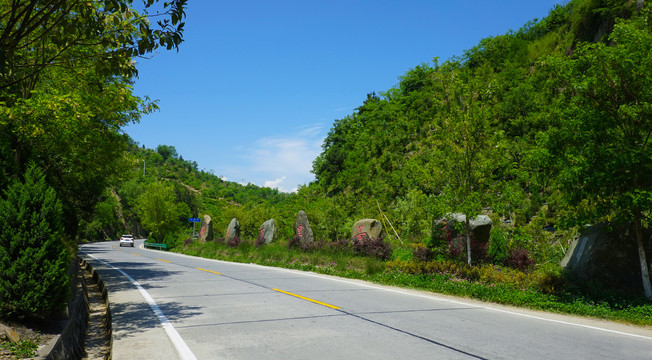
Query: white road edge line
(182, 348)
(432, 297)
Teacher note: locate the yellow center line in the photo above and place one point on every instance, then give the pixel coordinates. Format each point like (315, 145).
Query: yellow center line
(214, 272)
(308, 299)
(136, 254)
(167, 261)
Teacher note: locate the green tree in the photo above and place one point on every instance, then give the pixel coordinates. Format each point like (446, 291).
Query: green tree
(601, 144)
(464, 142)
(38, 34)
(65, 88)
(33, 258)
(159, 211)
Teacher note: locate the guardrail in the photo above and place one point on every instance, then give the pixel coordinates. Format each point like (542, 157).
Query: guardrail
(156, 246)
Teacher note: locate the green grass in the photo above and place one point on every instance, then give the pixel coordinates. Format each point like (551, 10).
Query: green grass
(543, 289)
(21, 349)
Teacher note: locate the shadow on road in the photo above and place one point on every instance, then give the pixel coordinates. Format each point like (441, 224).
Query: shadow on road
(130, 312)
(131, 318)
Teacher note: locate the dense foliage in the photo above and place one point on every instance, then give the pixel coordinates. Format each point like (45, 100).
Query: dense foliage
(33, 259)
(66, 70)
(521, 127)
(544, 129)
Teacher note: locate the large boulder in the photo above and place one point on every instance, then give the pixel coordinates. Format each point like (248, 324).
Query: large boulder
(480, 225)
(206, 229)
(233, 230)
(371, 227)
(268, 231)
(606, 256)
(302, 229)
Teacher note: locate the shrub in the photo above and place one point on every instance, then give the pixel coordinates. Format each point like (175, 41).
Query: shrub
(342, 245)
(497, 250)
(234, 241)
(366, 246)
(172, 239)
(260, 241)
(294, 242)
(519, 258)
(33, 258)
(423, 254)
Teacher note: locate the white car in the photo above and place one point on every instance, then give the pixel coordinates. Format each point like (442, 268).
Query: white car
(127, 240)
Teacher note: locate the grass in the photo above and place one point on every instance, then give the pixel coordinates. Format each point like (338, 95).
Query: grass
(543, 289)
(21, 349)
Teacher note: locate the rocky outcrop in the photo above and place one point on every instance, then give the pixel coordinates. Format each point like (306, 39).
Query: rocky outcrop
(606, 256)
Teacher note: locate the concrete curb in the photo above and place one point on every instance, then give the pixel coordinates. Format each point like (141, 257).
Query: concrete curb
(71, 343)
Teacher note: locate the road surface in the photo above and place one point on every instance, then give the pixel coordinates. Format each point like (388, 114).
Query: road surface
(171, 306)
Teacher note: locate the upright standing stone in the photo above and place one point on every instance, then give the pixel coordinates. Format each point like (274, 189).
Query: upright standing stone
(206, 229)
(233, 230)
(302, 228)
(268, 231)
(370, 227)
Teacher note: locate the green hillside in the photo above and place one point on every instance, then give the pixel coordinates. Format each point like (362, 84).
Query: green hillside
(544, 129)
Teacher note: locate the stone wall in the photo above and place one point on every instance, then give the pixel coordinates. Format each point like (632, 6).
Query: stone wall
(71, 343)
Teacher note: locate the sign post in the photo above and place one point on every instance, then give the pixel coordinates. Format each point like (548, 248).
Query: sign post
(194, 221)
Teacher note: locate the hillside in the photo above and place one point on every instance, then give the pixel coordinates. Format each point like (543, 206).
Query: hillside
(545, 130)
(520, 127)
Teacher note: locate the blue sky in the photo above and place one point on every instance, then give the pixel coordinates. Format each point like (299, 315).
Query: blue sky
(257, 85)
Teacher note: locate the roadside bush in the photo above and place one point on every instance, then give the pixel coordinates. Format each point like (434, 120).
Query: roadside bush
(497, 250)
(423, 254)
(519, 258)
(366, 246)
(172, 240)
(260, 241)
(33, 258)
(294, 242)
(234, 241)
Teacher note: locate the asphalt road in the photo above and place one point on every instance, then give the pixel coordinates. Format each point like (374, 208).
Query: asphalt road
(171, 306)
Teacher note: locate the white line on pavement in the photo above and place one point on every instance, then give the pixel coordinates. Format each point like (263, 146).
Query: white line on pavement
(182, 348)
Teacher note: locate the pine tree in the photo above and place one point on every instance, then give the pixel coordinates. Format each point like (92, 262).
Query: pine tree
(33, 257)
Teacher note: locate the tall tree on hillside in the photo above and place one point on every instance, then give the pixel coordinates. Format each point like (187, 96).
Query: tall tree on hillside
(159, 211)
(464, 141)
(602, 139)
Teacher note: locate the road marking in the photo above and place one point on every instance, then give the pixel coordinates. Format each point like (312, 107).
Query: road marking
(167, 261)
(431, 296)
(136, 254)
(438, 298)
(214, 272)
(182, 348)
(308, 299)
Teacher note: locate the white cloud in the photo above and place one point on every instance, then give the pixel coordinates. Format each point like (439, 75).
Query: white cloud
(274, 183)
(287, 159)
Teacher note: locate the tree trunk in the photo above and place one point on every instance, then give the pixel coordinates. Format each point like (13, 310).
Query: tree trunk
(468, 240)
(645, 273)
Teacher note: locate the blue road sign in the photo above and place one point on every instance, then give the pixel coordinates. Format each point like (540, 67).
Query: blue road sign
(194, 220)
